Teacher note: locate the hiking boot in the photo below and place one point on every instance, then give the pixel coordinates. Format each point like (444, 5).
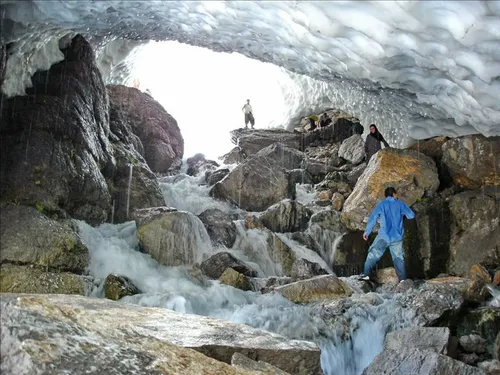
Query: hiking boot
(364, 277)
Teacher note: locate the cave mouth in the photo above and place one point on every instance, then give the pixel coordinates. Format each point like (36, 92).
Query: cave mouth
(206, 90)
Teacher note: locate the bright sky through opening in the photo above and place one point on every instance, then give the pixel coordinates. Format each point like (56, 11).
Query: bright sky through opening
(205, 92)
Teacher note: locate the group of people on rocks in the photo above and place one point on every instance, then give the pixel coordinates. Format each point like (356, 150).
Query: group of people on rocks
(389, 212)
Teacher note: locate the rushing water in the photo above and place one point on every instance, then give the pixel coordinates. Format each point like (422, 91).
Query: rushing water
(348, 340)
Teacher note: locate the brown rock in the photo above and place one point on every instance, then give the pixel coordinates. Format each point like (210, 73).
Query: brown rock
(473, 160)
(496, 279)
(156, 128)
(337, 201)
(315, 289)
(387, 276)
(478, 272)
(413, 175)
(324, 195)
(235, 279)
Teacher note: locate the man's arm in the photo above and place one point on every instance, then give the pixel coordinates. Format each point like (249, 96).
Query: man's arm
(372, 221)
(384, 141)
(407, 211)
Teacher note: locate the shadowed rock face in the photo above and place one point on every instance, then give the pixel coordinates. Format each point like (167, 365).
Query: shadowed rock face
(54, 141)
(156, 128)
(118, 338)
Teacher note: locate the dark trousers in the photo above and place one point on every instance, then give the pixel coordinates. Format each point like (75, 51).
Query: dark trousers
(249, 119)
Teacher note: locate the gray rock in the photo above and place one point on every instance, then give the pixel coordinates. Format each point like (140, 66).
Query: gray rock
(496, 347)
(173, 238)
(413, 175)
(120, 338)
(328, 219)
(475, 229)
(304, 269)
(235, 156)
(490, 367)
(235, 279)
(66, 115)
(473, 344)
(215, 266)
(267, 284)
(220, 227)
(28, 237)
(300, 176)
(472, 160)
(468, 358)
(260, 181)
(435, 339)
(286, 216)
(238, 360)
(156, 128)
(251, 142)
(116, 287)
(352, 149)
(198, 164)
(418, 362)
(212, 177)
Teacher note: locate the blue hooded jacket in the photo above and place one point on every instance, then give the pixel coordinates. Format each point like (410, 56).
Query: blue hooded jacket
(391, 212)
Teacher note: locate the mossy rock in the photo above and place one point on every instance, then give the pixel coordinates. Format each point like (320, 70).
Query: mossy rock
(235, 279)
(25, 279)
(483, 321)
(116, 287)
(31, 238)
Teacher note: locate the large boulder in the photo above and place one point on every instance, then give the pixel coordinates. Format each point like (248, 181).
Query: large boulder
(238, 360)
(131, 182)
(173, 238)
(261, 180)
(316, 289)
(54, 140)
(305, 269)
(251, 142)
(353, 149)
(413, 175)
(433, 148)
(484, 321)
(235, 156)
(134, 339)
(416, 361)
(475, 230)
(235, 279)
(27, 279)
(436, 339)
(473, 160)
(156, 128)
(28, 237)
(215, 266)
(220, 227)
(286, 216)
(212, 177)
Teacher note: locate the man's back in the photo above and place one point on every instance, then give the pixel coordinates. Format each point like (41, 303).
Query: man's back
(391, 212)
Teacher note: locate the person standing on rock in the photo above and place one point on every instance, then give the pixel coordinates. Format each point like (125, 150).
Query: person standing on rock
(247, 110)
(390, 211)
(372, 143)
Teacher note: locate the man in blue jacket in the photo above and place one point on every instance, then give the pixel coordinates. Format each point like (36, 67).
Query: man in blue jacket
(390, 235)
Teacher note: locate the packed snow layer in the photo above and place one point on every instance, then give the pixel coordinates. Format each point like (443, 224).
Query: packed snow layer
(420, 68)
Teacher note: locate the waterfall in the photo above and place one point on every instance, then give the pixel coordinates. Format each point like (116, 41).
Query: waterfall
(348, 341)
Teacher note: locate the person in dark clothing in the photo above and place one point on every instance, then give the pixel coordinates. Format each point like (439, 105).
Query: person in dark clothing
(389, 213)
(372, 143)
(324, 120)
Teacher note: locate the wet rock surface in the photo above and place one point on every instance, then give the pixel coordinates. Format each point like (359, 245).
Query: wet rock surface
(220, 227)
(116, 287)
(286, 216)
(315, 289)
(215, 266)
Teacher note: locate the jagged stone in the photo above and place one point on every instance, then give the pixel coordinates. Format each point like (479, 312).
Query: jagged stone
(435, 339)
(387, 276)
(172, 238)
(305, 269)
(433, 148)
(475, 229)
(116, 287)
(328, 219)
(28, 237)
(54, 140)
(212, 177)
(220, 227)
(315, 289)
(235, 279)
(300, 176)
(415, 361)
(156, 128)
(24, 279)
(490, 367)
(251, 142)
(352, 149)
(120, 338)
(286, 216)
(198, 164)
(472, 160)
(337, 201)
(215, 266)
(235, 156)
(413, 175)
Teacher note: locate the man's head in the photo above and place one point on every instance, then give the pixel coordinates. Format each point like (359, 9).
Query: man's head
(248, 101)
(373, 128)
(391, 192)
